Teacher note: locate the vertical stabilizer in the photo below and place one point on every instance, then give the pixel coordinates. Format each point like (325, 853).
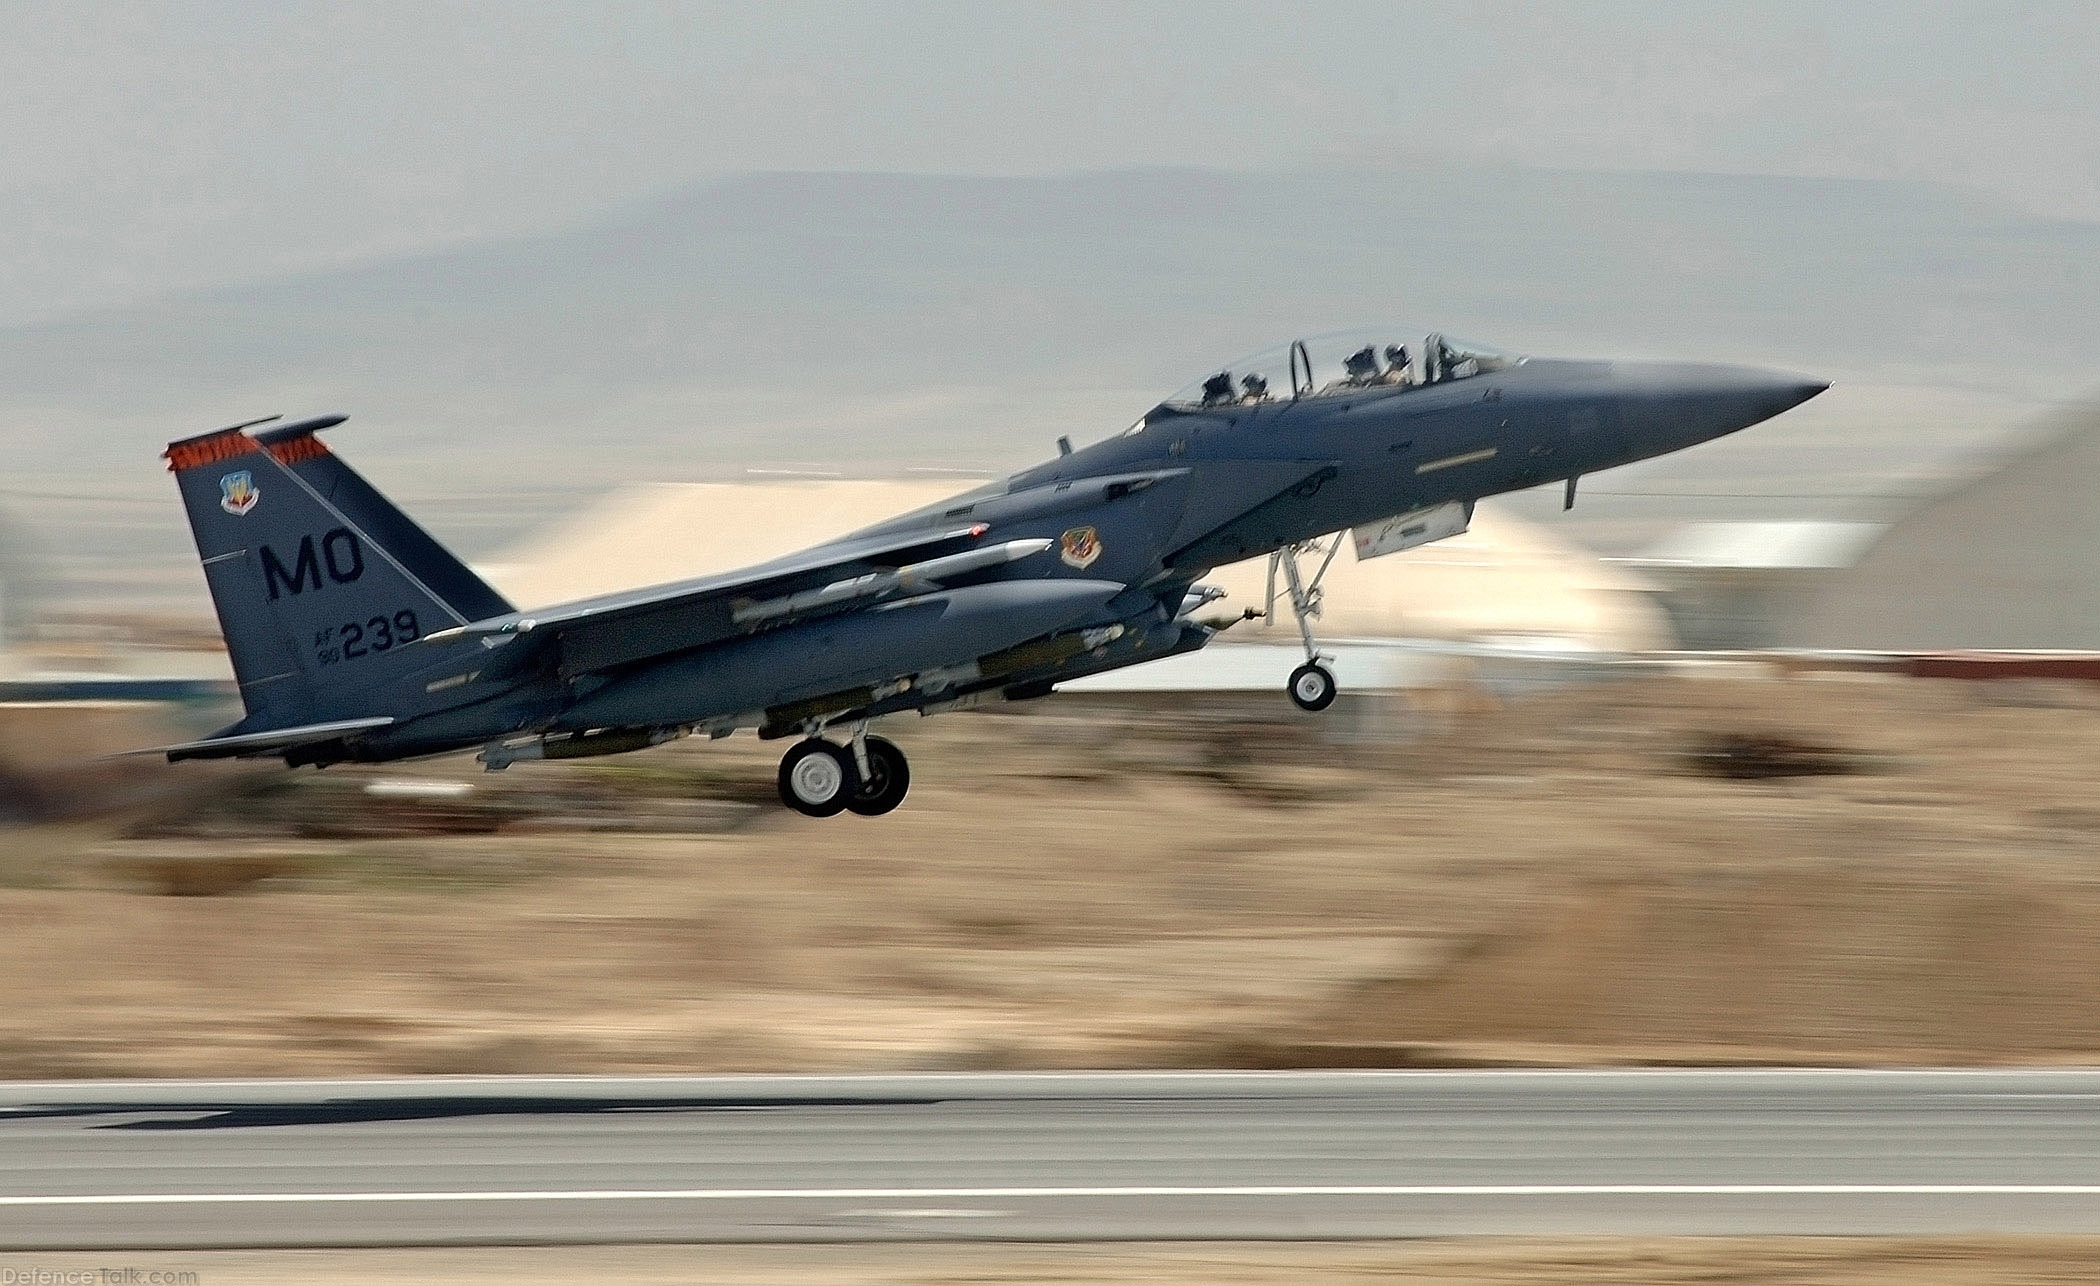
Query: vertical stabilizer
(317, 609)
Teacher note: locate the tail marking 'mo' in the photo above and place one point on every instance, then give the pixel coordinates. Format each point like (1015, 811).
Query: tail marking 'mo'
(339, 553)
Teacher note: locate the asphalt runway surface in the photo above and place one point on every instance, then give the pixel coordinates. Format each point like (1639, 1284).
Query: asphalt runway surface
(1057, 1156)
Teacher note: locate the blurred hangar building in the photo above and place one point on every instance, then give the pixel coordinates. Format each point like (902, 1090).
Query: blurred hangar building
(1506, 583)
(2008, 559)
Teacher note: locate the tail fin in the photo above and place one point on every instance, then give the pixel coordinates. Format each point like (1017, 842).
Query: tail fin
(319, 581)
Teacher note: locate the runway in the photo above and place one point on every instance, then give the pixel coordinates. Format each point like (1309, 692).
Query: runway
(1079, 1157)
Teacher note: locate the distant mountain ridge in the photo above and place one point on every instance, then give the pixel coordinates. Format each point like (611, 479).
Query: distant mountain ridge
(907, 278)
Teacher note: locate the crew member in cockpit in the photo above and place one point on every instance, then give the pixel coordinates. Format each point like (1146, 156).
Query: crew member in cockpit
(1360, 367)
(1217, 390)
(1253, 388)
(1453, 364)
(1398, 370)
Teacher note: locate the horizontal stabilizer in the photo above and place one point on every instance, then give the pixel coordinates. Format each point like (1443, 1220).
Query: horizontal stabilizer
(258, 743)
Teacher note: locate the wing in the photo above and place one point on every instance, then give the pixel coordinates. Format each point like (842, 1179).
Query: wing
(635, 625)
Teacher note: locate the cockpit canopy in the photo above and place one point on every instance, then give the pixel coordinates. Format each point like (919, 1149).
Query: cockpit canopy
(1340, 363)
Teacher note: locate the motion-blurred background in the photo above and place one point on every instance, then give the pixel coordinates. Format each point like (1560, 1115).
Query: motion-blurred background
(1709, 769)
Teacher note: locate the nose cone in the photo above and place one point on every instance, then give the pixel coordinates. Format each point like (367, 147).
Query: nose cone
(1675, 404)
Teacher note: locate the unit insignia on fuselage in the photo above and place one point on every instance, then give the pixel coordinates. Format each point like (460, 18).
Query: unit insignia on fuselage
(1079, 547)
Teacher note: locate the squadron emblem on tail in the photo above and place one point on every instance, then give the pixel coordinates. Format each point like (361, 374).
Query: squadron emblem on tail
(238, 492)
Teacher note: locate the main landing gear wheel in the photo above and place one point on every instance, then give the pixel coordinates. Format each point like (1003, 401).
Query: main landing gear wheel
(817, 778)
(888, 777)
(1312, 687)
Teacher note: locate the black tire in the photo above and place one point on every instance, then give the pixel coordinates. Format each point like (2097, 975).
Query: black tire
(817, 778)
(889, 777)
(1312, 687)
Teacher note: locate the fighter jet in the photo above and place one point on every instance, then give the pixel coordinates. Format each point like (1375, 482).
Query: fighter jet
(357, 637)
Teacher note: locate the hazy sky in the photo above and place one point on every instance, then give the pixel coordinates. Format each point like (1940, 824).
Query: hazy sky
(150, 148)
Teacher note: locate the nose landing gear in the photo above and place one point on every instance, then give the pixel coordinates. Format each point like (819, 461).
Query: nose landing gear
(819, 778)
(1312, 687)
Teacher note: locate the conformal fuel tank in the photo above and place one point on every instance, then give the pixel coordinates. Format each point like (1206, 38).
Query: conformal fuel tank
(952, 627)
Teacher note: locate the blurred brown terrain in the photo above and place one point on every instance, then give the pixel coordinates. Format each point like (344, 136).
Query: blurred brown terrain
(1733, 866)
(1511, 1261)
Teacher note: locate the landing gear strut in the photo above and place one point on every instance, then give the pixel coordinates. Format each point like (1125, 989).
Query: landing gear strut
(869, 776)
(1312, 685)
(884, 780)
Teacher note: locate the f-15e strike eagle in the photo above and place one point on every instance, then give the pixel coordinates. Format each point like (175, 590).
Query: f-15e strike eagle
(356, 637)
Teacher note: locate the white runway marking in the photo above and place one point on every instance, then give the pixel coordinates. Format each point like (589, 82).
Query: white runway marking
(993, 1194)
(935, 1213)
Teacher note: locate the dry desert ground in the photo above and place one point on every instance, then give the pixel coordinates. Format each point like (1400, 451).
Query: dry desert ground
(1580, 876)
